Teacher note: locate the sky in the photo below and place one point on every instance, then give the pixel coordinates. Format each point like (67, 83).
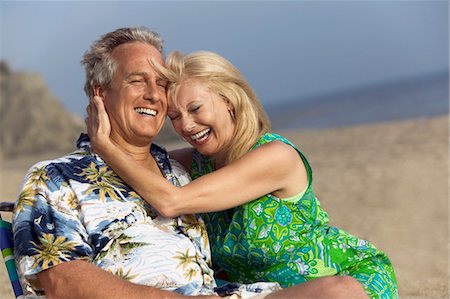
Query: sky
(287, 50)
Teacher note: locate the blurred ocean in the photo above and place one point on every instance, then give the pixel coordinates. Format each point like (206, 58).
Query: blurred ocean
(412, 98)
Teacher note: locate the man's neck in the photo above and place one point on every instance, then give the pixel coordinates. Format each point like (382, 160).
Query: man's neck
(138, 151)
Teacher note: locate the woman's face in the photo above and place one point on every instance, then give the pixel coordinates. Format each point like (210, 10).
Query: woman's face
(202, 118)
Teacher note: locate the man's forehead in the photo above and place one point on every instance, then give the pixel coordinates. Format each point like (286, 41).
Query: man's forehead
(137, 51)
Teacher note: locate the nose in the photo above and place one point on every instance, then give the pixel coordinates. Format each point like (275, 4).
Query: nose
(187, 124)
(153, 93)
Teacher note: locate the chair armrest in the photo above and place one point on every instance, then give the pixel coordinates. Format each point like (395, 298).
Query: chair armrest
(6, 206)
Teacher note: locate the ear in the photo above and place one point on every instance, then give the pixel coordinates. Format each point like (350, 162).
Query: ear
(98, 90)
(228, 103)
(231, 111)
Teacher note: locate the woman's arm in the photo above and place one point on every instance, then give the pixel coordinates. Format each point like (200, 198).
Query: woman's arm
(272, 168)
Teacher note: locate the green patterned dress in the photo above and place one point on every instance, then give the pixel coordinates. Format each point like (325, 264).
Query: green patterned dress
(289, 240)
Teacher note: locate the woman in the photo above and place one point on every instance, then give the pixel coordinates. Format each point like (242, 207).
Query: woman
(254, 188)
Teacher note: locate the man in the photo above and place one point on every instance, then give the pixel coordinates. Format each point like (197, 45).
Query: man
(79, 230)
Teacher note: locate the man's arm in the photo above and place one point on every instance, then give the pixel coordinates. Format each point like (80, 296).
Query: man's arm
(81, 279)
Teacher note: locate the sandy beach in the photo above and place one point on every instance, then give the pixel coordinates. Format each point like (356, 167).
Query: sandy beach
(384, 182)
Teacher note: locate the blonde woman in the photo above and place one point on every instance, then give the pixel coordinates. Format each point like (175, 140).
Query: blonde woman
(253, 188)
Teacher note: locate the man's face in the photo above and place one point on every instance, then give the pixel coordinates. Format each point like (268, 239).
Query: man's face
(136, 99)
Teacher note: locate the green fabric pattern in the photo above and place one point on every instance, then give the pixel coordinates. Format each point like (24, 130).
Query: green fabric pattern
(290, 242)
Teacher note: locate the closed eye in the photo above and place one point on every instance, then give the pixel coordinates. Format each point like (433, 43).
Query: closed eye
(173, 116)
(162, 83)
(136, 80)
(194, 109)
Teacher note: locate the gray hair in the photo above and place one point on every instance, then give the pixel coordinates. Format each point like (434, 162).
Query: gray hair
(98, 62)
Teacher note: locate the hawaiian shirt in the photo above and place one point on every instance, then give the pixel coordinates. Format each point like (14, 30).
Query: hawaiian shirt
(76, 207)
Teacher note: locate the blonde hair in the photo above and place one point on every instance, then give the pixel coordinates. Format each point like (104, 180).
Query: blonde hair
(223, 78)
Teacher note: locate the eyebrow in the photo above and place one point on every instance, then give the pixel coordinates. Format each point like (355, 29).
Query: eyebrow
(142, 74)
(193, 102)
(146, 75)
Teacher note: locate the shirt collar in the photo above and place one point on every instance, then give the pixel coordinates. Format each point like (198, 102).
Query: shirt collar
(158, 152)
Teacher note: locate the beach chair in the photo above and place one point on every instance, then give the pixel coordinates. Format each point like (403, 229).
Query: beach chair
(6, 245)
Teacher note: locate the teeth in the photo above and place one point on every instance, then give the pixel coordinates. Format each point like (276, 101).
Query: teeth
(146, 111)
(200, 136)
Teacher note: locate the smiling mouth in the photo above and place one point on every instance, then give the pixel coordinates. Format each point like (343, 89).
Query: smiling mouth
(146, 111)
(201, 136)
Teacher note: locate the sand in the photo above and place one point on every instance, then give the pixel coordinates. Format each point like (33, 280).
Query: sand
(386, 183)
